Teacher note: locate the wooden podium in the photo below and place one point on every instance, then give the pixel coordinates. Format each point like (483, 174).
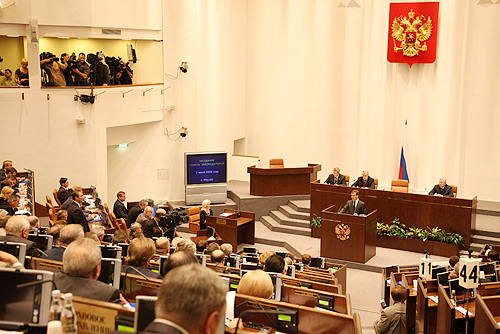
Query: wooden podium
(236, 228)
(282, 181)
(348, 237)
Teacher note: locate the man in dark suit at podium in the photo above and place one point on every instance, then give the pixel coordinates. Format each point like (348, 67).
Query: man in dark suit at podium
(336, 178)
(354, 206)
(364, 181)
(442, 189)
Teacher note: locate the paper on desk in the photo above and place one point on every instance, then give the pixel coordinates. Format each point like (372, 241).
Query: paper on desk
(462, 310)
(415, 289)
(225, 214)
(435, 299)
(230, 296)
(21, 212)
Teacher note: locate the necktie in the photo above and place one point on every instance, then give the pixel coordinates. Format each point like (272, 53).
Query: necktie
(335, 180)
(364, 183)
(354, 207)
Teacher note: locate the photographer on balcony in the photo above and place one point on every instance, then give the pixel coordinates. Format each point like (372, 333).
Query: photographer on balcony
(66, 68)
(53, 69)
(124, 75)
(81, 72)
(99, 71)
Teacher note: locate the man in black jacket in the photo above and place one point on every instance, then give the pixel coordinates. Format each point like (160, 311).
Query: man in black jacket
(364, 181)
(64, 191)
(442, 189)
(354, 206)
(119, 208)
(135, 212)
(75, 212)
(11, 204)
(336, 178)
(18, 229)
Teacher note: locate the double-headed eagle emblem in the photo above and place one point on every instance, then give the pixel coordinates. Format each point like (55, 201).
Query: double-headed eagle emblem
(342, 231)
(413, 38)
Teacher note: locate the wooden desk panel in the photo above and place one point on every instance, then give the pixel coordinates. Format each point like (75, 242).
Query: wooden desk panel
(233, 229)
(451, 214)
(487, 315)
(282, 181)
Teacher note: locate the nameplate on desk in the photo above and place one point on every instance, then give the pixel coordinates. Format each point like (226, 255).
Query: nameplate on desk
(305, 293)
(94, 319)
(220, 221)
(147, 284)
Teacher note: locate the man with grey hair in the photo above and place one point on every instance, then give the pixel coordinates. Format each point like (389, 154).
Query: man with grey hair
(135, 228)
(336, 178)
(6, 164)
(67, 235)
(442, 189)
(34, 222)
(98, 229)
(149, 225)
(81, 268)
(201, 308)
(11, 204)
(145, 216)
(226, 248)
(135, 212)
(162, 246)
(17, 230)
(186, 245)
(364, 181)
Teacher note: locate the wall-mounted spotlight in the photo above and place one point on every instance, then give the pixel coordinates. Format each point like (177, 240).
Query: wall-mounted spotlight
(184, 67)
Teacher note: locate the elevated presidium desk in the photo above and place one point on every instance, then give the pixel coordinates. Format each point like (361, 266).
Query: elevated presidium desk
(456, 215)
(282, 181)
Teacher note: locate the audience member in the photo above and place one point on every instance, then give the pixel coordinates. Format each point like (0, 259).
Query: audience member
(67, 235)
(493, 256)
(201, 309)
(256, 283)
(55, 231)
(119, 208)
(98, 229)
(186, 245)
(290, 255)
(139, 253)
(11, 205)
(288, 261)
(392, 319)
(306, 259)
(81, 268)
(4, 217)
(64, 192)
(364, 181)
(264, 256)
(17, 230)
(211, 247)
(135, 227)
(5, 164)
(204, 212)
(137, 235)
(336, 178)
(354, 206)
(4, 195)
(227, 249)
(217, 257)
(34, 222)
(162, 246)
(62, 215)
(121, 236)
(175, 241)
(135, 212)
(8, 80)
(275, 264)
(92, 236)
(151, 223)
(201, 246)
(145, 216)
(22, 74)
(10, 181)
(9, 261)
(453, 260)
(178, 259)
(442, 189)
(69, 199)
(75, 212)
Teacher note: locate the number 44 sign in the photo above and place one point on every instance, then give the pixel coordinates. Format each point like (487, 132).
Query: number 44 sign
(468, 272)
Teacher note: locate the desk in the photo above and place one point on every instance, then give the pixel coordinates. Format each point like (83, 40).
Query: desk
(451, 214)
(487, 315)
(282, 181)
(233, 229)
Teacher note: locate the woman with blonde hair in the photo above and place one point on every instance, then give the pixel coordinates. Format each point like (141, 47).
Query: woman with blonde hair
(256, 283)
(22, 74)
(139, 253)
(5, 193)
(205, 211)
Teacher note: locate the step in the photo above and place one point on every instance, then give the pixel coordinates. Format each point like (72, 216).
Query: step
(301, 205)
(284, 220)
(476, 247)
(483, 240)
(480, 233)
(273, 225)
(292, 213)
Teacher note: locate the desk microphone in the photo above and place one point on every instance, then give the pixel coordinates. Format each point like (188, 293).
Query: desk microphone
(125, 278)
(23, 285)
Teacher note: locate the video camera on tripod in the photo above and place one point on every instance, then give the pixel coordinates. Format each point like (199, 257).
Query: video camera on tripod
(170, 222)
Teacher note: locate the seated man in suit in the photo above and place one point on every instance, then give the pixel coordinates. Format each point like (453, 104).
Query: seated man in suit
(11, 204)
(275, 264)
(149, 225)
(64, 192)
(217, 257)
(336, 178)
(119, 208)
(81, 268)
(393, 318)
(139, 253)
(17, 230)
(178, 259)
(182, 288)
(75, 212)
(67, 202)
(135, 212)
(6, 164)
(364, 181)
(354, 206)
(442, 189)
(145, 216)
(67, 235)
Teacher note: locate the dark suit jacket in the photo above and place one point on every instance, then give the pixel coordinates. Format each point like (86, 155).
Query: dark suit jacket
(88, 288)
(62, 194)
(447, 191)
(148, 226)
(133, 214)
(30, 245)
(7, 207)
(159, 327)
(120, 210)
(370, 183)
(55, 254)
(145, 271)
(392, 320)
(340, 180)
(76, 216)
(349, 208)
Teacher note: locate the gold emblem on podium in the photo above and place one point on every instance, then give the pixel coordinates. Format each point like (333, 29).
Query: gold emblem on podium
(412, 33)
(342, 231)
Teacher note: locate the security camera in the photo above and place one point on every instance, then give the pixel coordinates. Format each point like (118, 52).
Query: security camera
(184, 67)
(184, 132)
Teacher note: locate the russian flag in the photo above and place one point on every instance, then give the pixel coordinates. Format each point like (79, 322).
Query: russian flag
(403, 172)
